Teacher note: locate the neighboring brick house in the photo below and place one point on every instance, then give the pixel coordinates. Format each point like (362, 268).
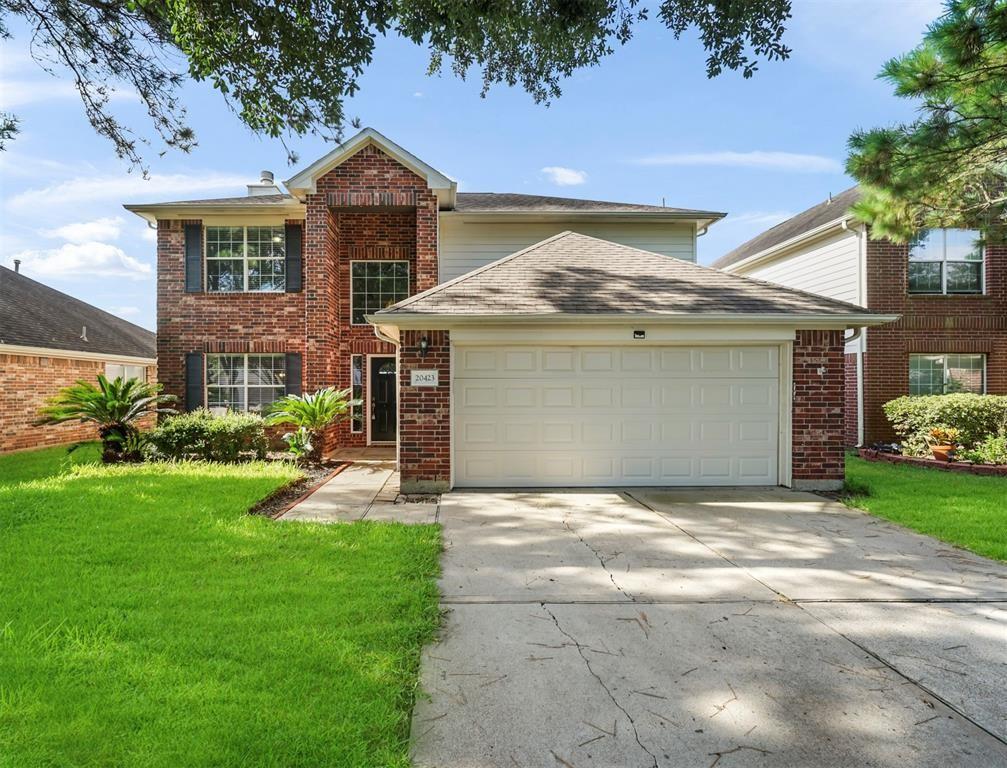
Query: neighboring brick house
(949, 291)
(618, 362)
(49, 340)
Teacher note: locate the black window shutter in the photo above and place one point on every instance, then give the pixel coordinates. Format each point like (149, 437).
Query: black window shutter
(293, 373)
(293, 265)
(193, 258)
(193, 381)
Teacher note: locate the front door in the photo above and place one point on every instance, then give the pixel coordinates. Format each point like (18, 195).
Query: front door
(384, 413)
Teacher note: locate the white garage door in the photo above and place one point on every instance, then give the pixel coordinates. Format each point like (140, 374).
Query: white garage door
(575, 416)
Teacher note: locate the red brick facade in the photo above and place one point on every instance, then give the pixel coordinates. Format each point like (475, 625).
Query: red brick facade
(369, 207)
(818, 458)
(27, 381)
(425, 414)
(929, 324)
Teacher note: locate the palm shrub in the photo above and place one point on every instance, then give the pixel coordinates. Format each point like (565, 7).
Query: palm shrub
(312, 413)
(114, 407)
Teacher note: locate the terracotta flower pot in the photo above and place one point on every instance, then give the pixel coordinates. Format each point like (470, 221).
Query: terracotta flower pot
(942, 452)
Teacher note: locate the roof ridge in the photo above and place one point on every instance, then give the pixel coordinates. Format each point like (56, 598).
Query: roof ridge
(481, 270)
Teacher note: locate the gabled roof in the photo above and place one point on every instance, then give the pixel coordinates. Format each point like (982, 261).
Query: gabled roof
(507, 202)
(834, 210)
(573, 274)
(303, 182)
(35, 315)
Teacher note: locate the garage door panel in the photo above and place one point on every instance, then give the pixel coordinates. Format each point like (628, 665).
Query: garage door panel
(552, 416)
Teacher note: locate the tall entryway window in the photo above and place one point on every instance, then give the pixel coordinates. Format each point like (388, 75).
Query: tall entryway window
(381, 400)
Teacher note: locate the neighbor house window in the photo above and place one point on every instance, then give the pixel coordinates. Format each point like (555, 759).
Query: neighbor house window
(244, 382)
(357, 392)
(245, 259)
(946, 261)
(938, 374)
(376, 285)
(121, 371)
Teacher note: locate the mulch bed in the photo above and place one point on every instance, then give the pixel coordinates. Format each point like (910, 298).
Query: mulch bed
(284, 498)
(943, 466)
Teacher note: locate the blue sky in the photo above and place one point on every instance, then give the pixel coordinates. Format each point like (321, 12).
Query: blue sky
(643, 126)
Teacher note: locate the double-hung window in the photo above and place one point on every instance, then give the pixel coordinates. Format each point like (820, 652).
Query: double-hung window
(946, 261)
(244, 382)
(939, 374)
(245, 259)
(376, 285)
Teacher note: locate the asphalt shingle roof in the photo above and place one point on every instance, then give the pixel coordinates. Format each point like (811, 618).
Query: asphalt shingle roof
(241, 200)
(507, 202)
(576, 274)
(35, 315)
(816, 216)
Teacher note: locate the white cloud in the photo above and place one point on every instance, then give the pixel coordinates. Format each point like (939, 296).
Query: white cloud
(125, 311)
(418, 95)
(564, 177)
(770, 161)
(118, 187)
(107, 228)
(83, 260)
(148, 234)
(20, 93)
(757, 218)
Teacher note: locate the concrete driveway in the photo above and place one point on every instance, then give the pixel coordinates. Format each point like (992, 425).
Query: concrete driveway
(708, 628)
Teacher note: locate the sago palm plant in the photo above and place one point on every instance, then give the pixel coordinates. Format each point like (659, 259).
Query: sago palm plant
(311, 413)
(113, 406)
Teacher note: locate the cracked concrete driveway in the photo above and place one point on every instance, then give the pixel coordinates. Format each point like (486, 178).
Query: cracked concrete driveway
(708, 628)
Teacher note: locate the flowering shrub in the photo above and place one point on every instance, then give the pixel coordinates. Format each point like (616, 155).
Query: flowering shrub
(976, 417)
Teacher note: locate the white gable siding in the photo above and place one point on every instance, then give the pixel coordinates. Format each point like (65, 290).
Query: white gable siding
(828, 267)
(467, 245)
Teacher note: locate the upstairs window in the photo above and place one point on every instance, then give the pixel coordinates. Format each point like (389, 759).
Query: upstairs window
(244, 382)
(940, 374)
(376, 285)
(246, 259)
(946, 261)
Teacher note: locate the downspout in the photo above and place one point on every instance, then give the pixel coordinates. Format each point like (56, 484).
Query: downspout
(861, 234)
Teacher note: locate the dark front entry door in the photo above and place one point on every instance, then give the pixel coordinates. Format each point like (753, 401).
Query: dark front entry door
(384, 413)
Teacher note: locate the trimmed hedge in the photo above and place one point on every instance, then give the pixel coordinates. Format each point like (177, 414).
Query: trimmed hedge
(201, 435)
(976, 417)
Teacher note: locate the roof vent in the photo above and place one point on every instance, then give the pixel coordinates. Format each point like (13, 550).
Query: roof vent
(17, 266)
(265, 186)
(83, 333)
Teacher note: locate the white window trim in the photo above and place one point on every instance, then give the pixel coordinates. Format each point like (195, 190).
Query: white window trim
(206, 379)
(943, 261)
(244, 257)
(944, 363)
(362, 407)
(124, 366)
(375, 261)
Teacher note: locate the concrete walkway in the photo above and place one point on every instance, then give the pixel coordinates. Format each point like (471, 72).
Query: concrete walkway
(366, 490)
(708, 628)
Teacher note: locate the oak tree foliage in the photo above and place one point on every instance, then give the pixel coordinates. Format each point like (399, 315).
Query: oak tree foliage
(287, 67)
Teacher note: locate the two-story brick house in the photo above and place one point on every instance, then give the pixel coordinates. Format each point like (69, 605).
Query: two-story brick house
(949, 290)
(602, 357)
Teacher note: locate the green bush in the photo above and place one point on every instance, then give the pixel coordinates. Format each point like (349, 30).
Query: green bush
(976, 417)
(992, 450)
(201, 435)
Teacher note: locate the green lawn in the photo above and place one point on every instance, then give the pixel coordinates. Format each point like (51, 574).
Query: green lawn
(962, 509)
(146, 620)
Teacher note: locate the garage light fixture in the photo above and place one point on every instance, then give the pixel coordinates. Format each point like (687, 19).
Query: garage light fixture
(424, 346)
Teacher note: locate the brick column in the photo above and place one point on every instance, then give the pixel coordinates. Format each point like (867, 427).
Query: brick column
(818, 461)
(425, 414)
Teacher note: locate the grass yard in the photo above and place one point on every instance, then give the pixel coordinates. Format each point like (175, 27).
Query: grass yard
(962, 509)
(146, 620)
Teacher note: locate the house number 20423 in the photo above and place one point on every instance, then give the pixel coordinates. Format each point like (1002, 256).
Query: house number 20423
(423, 378)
